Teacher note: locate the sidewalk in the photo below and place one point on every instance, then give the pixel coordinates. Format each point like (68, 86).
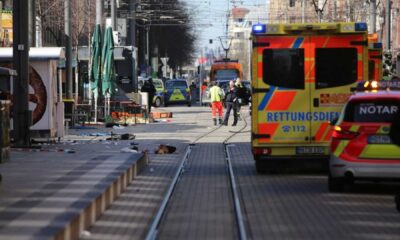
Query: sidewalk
(58, 192)
(47, 194)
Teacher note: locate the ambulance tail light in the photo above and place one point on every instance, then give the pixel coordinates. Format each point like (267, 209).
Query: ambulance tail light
(374, 84)
(339, 133)
(262, 151)
(361, 27)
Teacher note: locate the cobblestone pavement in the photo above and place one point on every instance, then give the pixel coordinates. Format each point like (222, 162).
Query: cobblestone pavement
(280, 206)
(202, 207)
(129, 217)
(295, 206)
(42, 191)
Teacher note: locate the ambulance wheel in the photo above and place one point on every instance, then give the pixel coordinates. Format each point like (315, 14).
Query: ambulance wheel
(157, 102)
(335, 184)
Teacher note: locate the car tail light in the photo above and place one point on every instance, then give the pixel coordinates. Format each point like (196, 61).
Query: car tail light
(339, 133)
(262, 151)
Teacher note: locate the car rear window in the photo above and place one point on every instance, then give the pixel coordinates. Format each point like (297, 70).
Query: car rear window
(371, 111)
(371, 70)
(335, 67)
(284, 67)
(176, 84)
(226, 74)
(157, 84)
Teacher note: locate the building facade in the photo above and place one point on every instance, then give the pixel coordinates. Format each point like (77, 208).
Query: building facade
(239, 33)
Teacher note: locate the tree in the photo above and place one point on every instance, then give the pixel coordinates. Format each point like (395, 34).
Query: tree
(170, 31)
(51, 15)
(170, 25)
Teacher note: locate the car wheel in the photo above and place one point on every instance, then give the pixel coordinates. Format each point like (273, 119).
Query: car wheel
(397, 201)
(157, 102)
(335, 184)
(189, 104)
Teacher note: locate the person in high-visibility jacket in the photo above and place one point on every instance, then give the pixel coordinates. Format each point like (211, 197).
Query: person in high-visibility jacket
(216, 96)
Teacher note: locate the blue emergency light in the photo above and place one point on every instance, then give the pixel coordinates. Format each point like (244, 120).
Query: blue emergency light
(361, 26)
(259, 28)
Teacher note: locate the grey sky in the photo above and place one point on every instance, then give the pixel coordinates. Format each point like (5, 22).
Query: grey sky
(214, 12)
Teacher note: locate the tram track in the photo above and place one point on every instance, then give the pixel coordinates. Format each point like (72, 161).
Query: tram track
(234, 189)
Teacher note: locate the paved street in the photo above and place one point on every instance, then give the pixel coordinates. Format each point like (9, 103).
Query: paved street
(299, 206)
(279, 206)
(109, 112)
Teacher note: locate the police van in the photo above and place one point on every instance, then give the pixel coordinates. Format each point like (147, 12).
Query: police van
(375, 53)
(302, 75)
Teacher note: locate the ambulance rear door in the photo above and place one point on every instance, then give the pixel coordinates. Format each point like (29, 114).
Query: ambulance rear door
(339, 62)
(281, 99)
(375, 64)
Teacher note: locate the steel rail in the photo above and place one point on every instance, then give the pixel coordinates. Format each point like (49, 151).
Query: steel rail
(236, 198)
(235, 193)
(152, 233)
(153, 230)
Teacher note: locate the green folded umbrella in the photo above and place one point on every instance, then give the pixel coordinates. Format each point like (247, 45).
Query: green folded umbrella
(95, 59)
(108, 65)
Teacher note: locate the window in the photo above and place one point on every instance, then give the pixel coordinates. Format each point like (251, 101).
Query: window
(284, 68)
(335, 67)
(176, 84)
(371, 111)
(226, 74)
(239, 35)
(157, 83)
(371, 70)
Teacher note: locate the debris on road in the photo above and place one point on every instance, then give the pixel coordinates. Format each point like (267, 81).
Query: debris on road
(165, 149)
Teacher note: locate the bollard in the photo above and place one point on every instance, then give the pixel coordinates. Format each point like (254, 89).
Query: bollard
(4, 130)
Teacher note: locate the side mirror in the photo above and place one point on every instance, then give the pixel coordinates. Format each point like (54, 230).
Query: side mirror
(333, 121)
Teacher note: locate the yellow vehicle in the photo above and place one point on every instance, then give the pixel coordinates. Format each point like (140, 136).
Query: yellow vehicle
(375, 53)
(226, 70)
(302, 75)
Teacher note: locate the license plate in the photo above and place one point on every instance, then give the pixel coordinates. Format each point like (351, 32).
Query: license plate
(379, 139)
(309, 150)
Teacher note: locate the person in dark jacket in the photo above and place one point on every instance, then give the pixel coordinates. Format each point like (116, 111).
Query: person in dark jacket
(231, 101)
(241, 94)
(193, 92)
(148, 87)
